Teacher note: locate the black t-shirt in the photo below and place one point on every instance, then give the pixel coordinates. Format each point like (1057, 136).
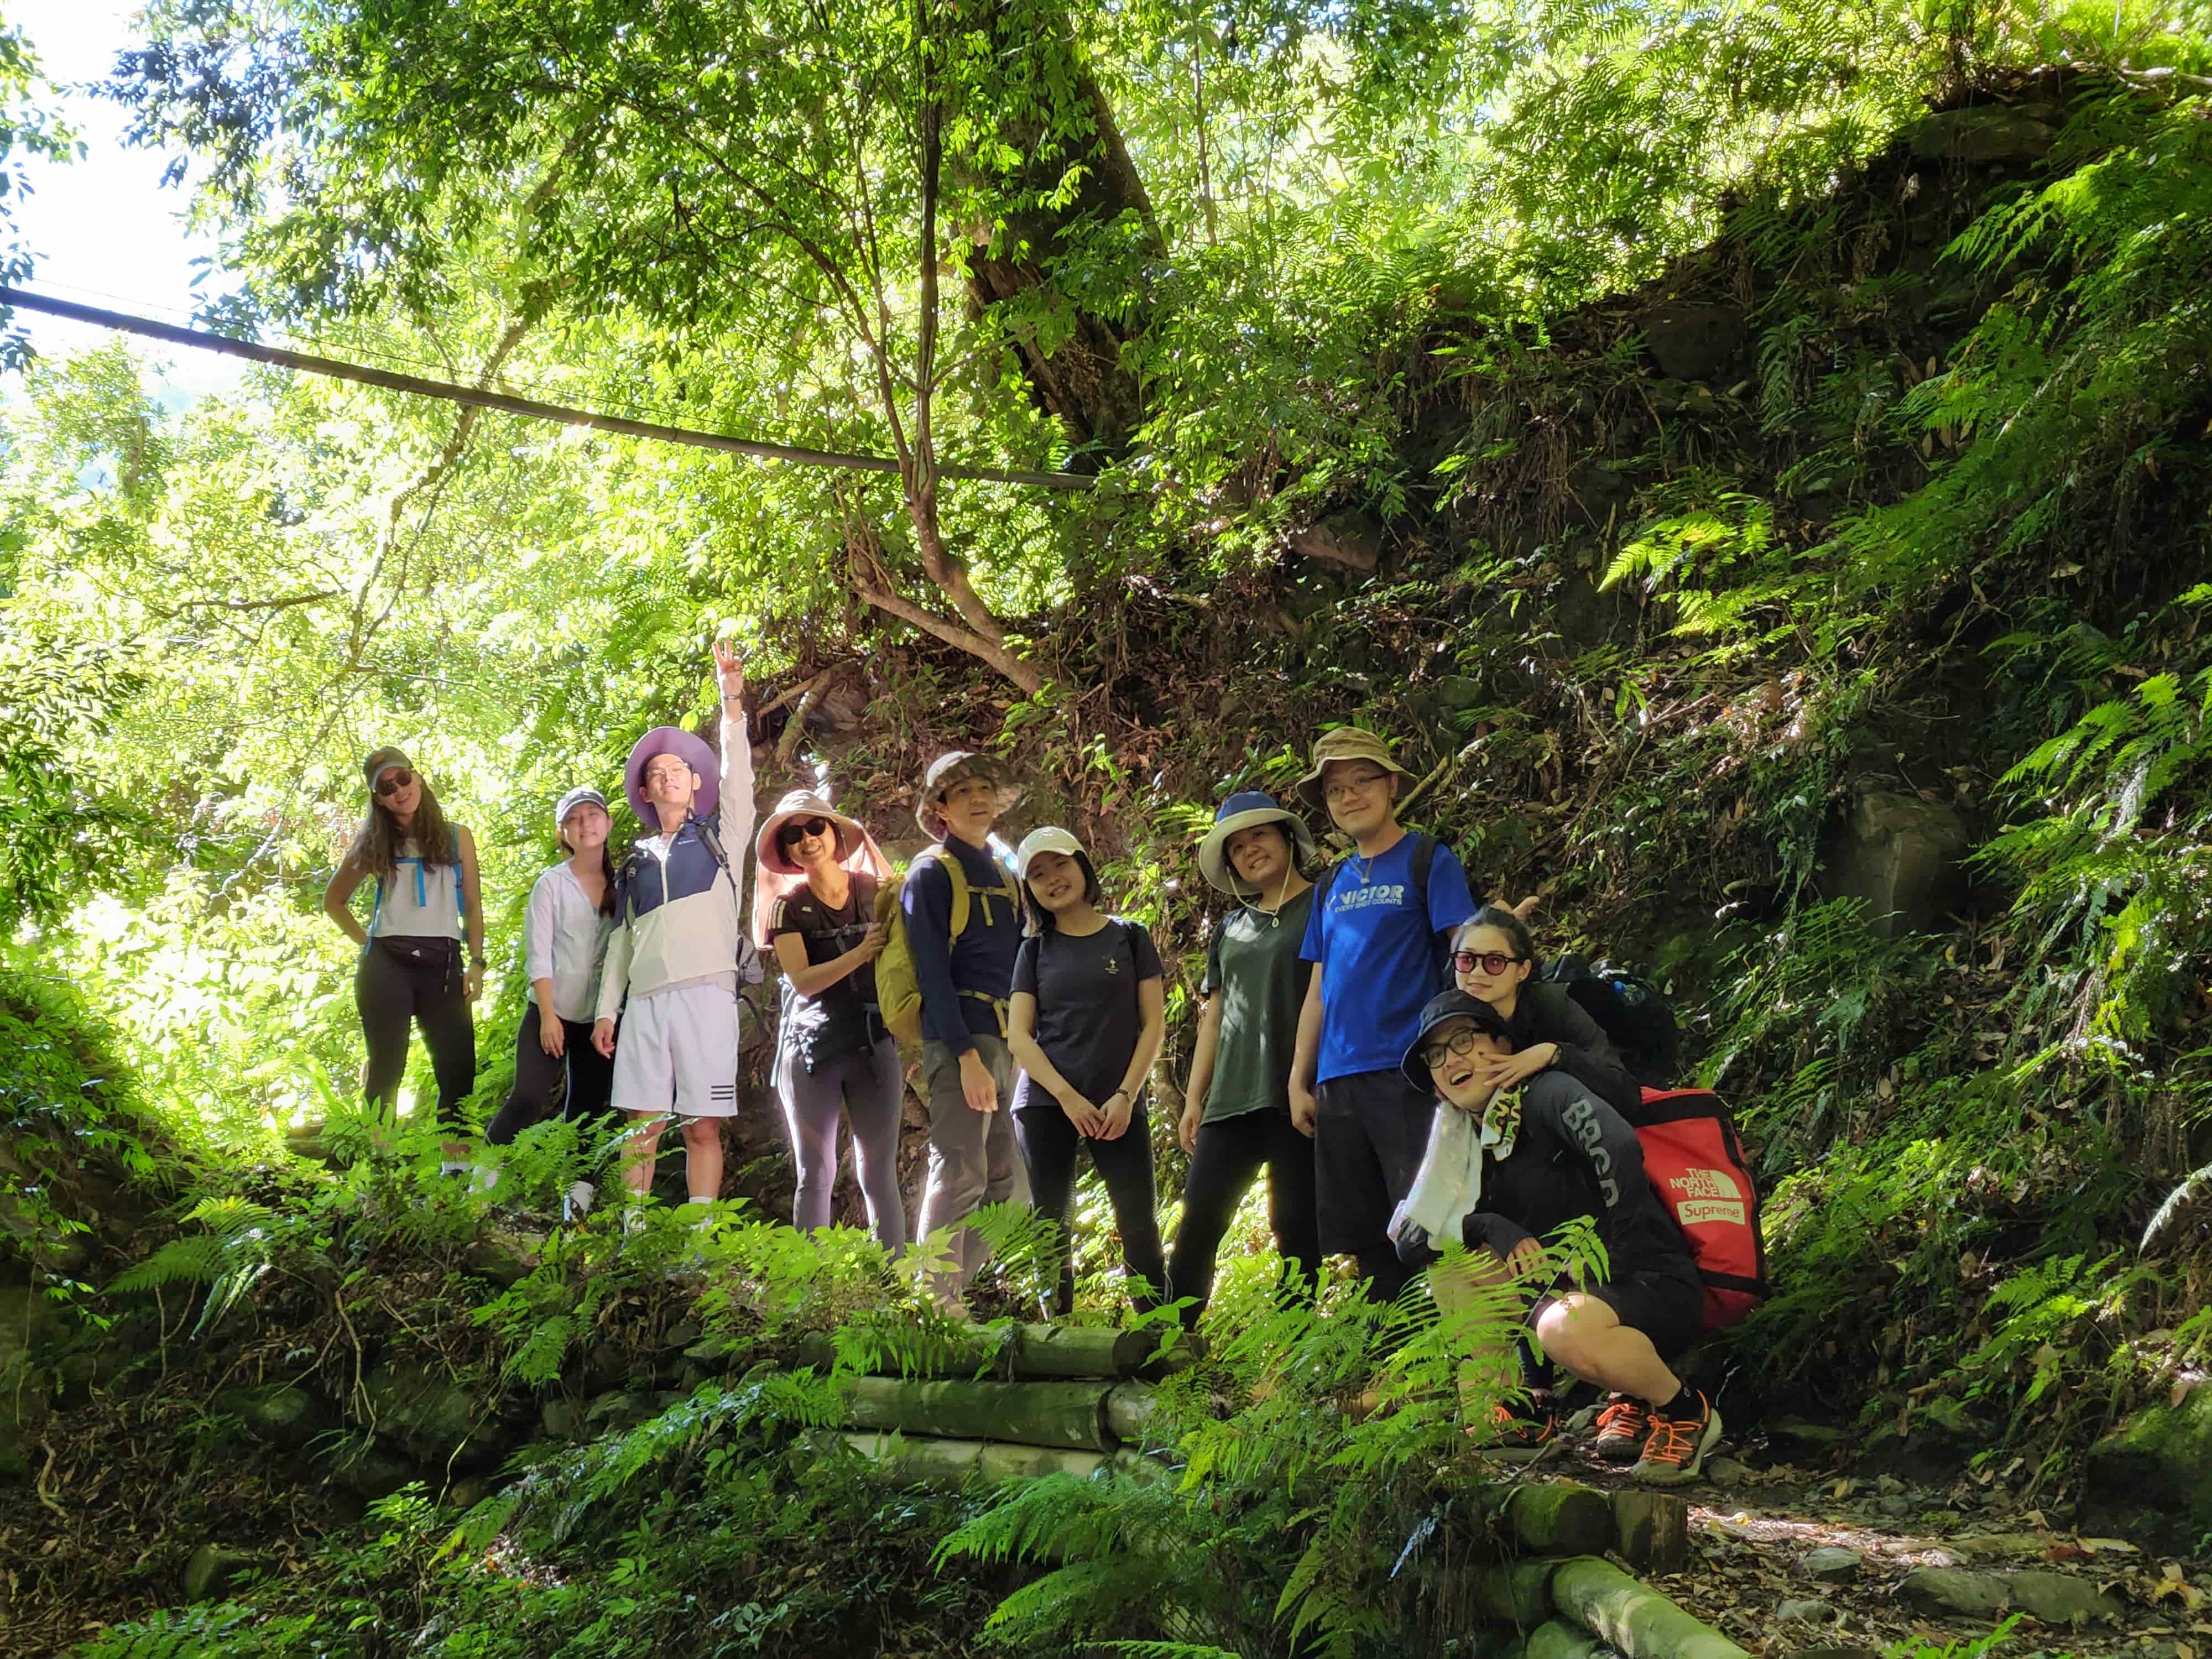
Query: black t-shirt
(841, 1019)
(1087, 1017)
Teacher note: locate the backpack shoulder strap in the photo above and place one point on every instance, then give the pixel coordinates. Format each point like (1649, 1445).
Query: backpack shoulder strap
(956, 924)
(1424, 860)
(712, 840)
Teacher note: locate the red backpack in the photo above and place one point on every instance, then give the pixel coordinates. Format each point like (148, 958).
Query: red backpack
(1694, 1161)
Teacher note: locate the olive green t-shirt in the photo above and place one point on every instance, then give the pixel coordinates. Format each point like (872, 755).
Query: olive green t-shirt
(1254, 965)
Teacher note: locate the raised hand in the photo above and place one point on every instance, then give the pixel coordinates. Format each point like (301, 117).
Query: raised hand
(730, 669)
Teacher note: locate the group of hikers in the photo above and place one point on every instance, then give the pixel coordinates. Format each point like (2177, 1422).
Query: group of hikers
(1372, 1035)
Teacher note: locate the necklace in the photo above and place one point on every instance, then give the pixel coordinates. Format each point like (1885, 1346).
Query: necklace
(1368, 871)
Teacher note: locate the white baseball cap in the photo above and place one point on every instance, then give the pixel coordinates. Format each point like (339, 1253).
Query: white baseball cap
(1050, 839)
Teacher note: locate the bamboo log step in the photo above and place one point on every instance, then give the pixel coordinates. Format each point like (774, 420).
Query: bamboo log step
(920, 1460)
(1634, 1617)
(1548, 1517)
(1071, 1416)
(1043, 1353)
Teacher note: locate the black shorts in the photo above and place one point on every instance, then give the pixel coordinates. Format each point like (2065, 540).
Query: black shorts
(1369, 1135)
(1669, 1306)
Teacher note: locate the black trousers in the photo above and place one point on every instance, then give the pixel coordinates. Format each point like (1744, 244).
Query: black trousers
(591, 1080)
(1228, 1157)
(1049, 1143)
(1369, 1135)
(391, 994)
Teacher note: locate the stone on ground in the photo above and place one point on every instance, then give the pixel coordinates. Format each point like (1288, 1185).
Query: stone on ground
(1808, 1610)
(2160, 1456)
(1833, 1566)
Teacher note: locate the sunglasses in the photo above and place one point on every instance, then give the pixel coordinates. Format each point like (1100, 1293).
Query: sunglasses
(792, 832)
(1460, 1042)
(393, 782)
(1492, 963)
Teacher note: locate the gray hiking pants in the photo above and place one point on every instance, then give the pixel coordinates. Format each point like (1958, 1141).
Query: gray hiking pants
(869, 1089)
(974, 1158)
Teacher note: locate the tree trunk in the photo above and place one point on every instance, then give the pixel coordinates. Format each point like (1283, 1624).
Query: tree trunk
(1556, 1639)
(1044, 1352)
(1079, 377)
(1635, 1618)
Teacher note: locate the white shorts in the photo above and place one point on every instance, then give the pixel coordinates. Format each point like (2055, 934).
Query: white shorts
(678, 1048)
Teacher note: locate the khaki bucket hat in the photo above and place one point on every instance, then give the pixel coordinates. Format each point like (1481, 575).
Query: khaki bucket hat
(1345, 743)
(948, 770)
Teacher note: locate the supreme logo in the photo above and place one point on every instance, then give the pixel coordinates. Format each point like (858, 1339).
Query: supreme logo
(1705, 1195)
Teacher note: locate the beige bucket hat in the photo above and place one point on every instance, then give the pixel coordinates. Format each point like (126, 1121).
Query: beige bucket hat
(948, 770)
(1346, 743)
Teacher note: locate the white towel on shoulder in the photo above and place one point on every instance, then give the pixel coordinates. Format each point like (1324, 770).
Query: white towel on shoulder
(1448, 1187)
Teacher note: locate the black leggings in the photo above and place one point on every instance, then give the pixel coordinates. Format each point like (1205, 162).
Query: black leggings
(591, 1080)
(390, 994)
(1227, 1159)
(1048, 1143)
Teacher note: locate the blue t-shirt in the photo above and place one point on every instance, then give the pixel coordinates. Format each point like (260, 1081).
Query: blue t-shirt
(1381, 958)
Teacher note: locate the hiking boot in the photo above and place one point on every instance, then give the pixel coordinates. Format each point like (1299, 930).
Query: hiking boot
(1674, 1453)
(1622, 1428)
(576, 1203)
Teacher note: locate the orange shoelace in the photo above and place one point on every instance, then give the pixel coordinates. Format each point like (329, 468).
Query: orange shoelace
(1672, 1439)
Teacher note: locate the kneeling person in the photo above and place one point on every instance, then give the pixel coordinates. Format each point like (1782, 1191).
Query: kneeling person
(1546, 1153)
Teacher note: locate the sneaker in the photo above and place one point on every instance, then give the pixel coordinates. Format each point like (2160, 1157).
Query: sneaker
(482, 1178)
(1510, 1432)
(1622, 1428)
(1674, 1453)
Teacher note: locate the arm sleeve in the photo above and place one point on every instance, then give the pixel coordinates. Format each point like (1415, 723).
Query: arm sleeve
(1484, 1227)
(1449, 902)
(779, 921)
(926, 903)
(1146, 954)
(1025, 966)
(1596, 1135)
(614, 978)
(735, 811)
(1587, 1054)
(1311, 950)
(537, 932)
(1211, 984)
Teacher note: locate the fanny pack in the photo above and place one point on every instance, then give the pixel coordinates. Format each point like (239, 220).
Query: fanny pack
(420, 953)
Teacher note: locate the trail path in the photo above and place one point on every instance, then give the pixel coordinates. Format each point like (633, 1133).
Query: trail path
(1756, 1520)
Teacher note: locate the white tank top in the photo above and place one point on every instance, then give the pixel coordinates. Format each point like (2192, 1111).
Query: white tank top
(421, 901)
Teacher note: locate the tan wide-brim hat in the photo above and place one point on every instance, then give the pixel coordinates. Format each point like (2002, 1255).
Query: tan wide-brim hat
(948, 770)
(1345, 743)
(802, 804)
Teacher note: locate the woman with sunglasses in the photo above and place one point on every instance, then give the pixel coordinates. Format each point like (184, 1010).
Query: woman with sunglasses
(1494, 960)
(564, 943)
(410, 971)
(815, 876)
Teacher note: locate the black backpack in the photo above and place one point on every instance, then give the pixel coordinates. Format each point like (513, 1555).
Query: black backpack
(1632, 1011)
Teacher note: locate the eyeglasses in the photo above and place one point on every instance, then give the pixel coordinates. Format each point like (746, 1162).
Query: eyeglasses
(1460, 1042)
(1355, 785)
(393, 782)
(657, 773)
(1493, 962)
(798, 828)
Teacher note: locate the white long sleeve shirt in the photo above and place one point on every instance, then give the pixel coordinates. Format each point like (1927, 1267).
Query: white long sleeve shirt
(564, 939)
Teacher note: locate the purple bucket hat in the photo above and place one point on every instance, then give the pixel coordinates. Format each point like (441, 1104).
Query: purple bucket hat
(693, 752)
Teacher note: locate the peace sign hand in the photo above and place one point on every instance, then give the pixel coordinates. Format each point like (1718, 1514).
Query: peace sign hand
(729, 668)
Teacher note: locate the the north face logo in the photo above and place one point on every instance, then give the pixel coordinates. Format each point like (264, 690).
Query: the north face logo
(1703, 1195)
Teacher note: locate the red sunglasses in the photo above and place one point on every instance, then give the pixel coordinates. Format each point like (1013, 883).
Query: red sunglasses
(1493, 962)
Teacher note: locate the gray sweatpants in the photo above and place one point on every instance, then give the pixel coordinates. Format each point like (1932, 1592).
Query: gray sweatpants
(974, 1158)
(869, 1088)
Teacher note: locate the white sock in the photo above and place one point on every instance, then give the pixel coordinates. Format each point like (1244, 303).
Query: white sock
(577, 1204)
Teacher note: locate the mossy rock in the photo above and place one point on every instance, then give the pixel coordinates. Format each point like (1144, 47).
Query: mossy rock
(2162, 1458)
(276, 1414)
(436, 1419)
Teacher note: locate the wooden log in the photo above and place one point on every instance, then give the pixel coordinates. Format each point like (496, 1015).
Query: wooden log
(1559, 1518)
(1129, 1413)
(1043, 1353)
(1514, 1593)
(1068, 1415)
(1635, 1618)
(922, 1461)
(1651, 1530)
(1556, 1640)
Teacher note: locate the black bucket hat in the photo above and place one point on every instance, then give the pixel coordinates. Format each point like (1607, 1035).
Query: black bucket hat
(1443, 1008)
